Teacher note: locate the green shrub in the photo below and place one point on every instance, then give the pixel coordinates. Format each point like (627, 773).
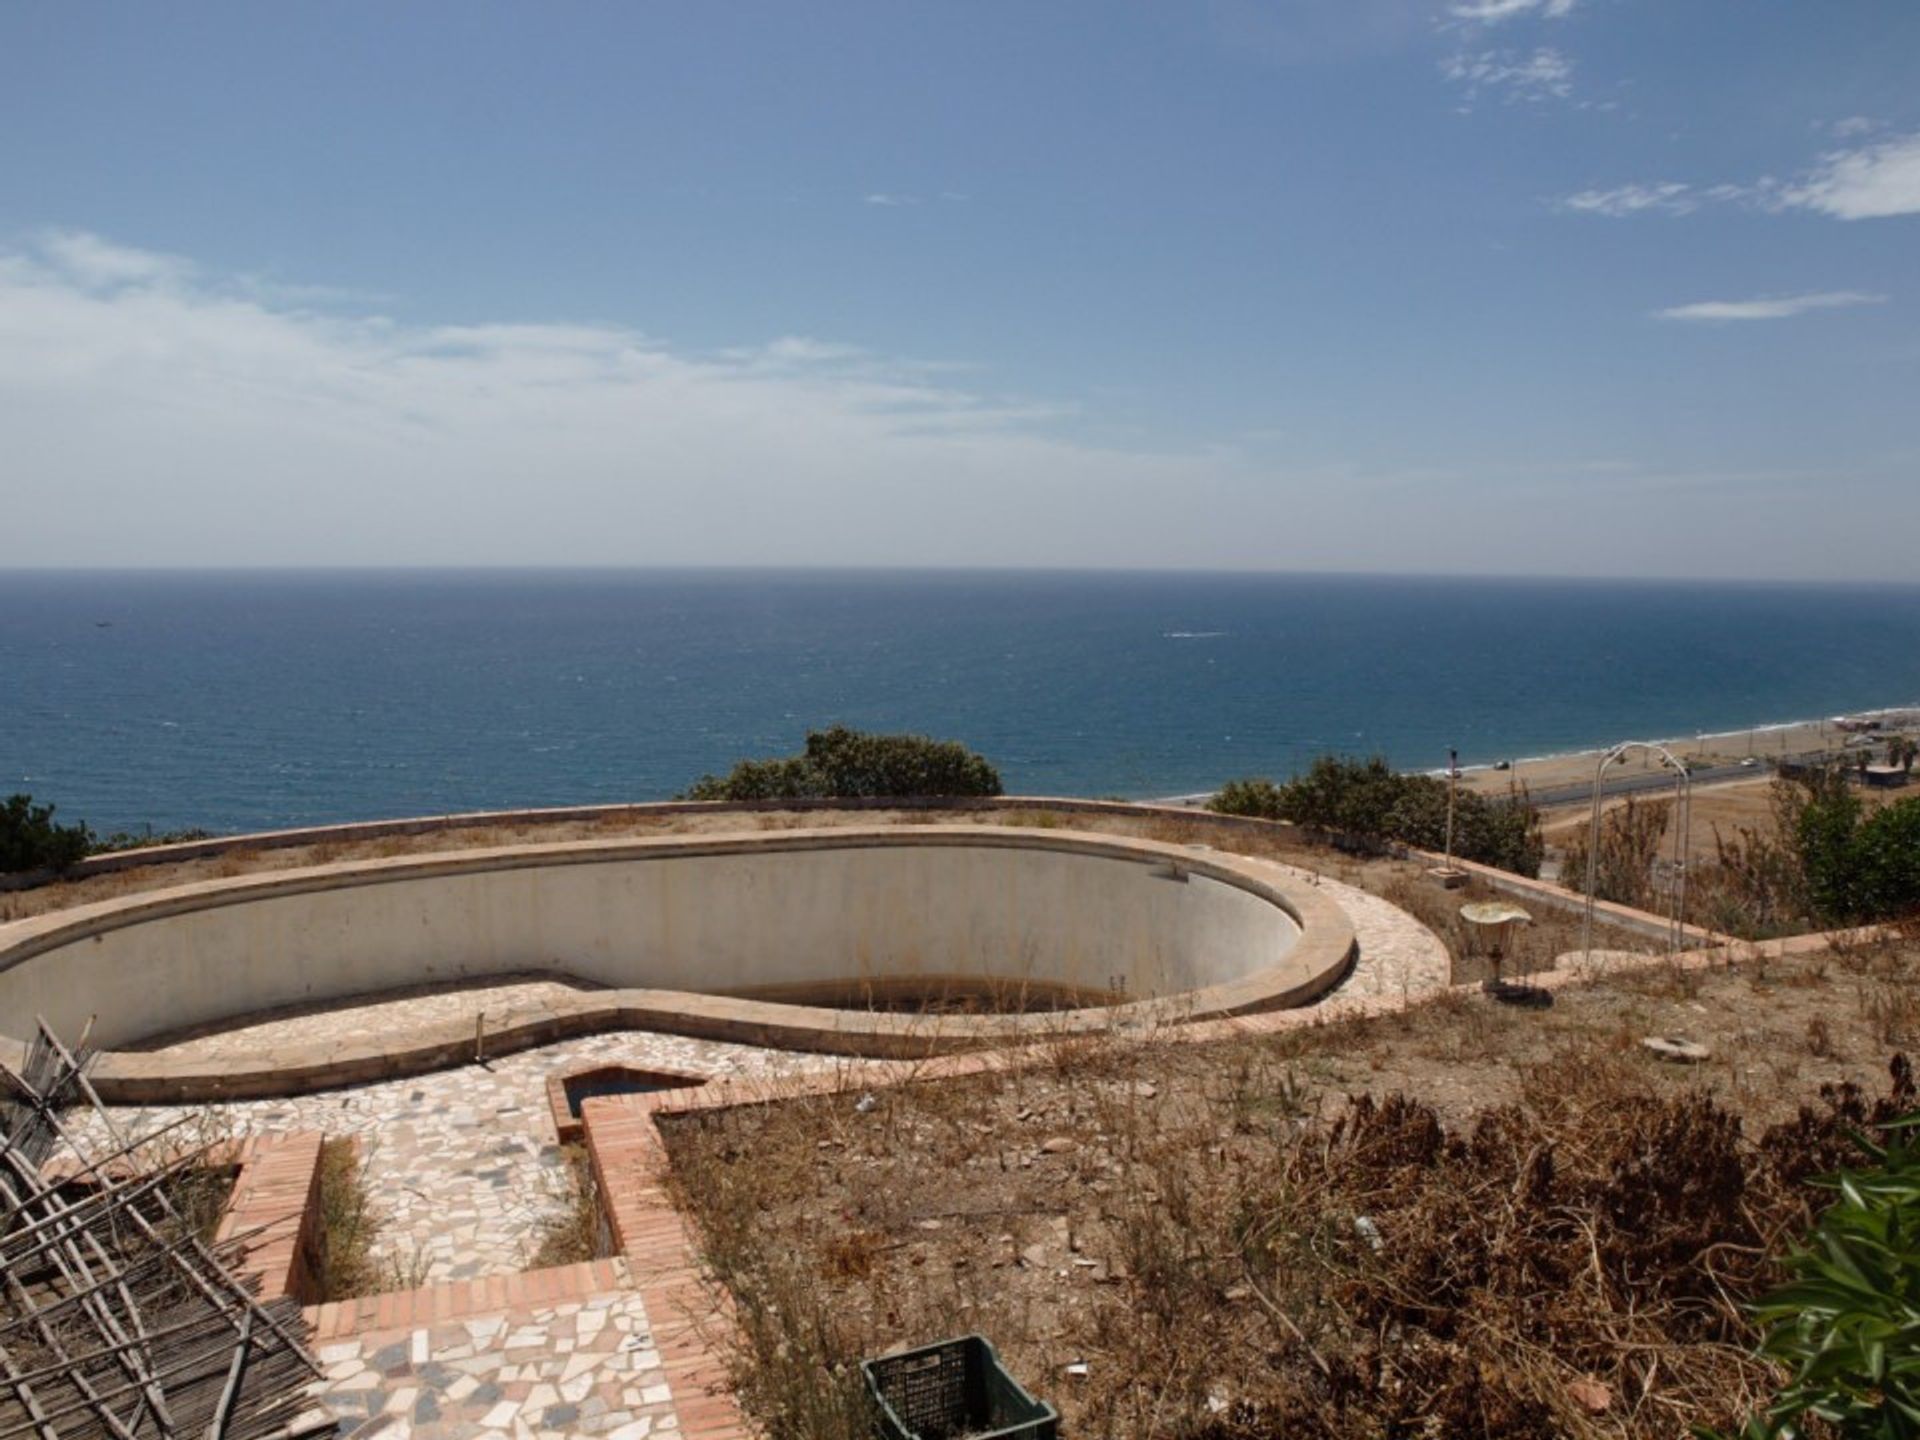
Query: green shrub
(1352, 800)
(1256, 797)
(1886, 859)
(790, 779)
(1828, 862)
(1853, 867)
(1503, 833)
(1367, 805)
(839, 763)
(1820, 814)
(1846, 1326)
(30, 840)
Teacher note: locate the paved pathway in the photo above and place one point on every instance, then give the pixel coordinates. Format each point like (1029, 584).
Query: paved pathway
(584, 1368)
(462, 1166)
(1399, 957)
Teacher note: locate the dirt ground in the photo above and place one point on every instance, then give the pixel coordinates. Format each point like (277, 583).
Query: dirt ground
(1727, 807)
(1026, 1205)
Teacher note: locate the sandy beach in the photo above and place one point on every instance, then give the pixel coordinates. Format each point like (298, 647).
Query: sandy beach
(1720, 748)
(1708, 748)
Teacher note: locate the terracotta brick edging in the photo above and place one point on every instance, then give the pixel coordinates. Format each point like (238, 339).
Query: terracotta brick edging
(273, 1213)
(685, 1312)
(459, 1299)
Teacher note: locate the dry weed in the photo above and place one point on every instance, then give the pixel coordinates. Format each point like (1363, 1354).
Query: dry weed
(574, 1229)
(348, 1225)
(1231, 1264)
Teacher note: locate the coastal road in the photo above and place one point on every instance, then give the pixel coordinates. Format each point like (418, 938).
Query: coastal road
(1629, 783)
(1548, 797)
(1661, 780)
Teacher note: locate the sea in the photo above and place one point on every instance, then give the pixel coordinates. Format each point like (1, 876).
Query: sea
(233, 701)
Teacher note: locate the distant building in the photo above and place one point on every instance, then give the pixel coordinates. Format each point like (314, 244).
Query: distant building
(1887, 777)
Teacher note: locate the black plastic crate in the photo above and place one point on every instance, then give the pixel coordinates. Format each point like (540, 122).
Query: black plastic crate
(956, 1390)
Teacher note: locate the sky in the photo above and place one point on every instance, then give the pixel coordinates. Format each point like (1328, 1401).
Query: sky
(1578, 287)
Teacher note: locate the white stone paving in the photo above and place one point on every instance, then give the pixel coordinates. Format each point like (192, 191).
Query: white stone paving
(462, 1166)
(1400, 959)
(584, 1368)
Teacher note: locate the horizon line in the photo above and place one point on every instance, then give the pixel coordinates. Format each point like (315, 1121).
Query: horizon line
(828, 569)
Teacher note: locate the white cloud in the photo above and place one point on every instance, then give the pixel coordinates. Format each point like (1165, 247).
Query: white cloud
(93, 262)
(893, 199)
(156, 413)
(1545, 74)
(1852, 127)
(1775, 307)
(1492, 12)
(170, 417)
(1872, 182)
(789, 350)
(1668, 197)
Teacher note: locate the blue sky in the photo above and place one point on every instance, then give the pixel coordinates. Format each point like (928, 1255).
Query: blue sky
(1562, 286)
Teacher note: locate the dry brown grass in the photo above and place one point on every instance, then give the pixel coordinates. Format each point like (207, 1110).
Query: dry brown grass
(1566, 1224)
(574, 1229)
(197, 1194)
(349, 1225)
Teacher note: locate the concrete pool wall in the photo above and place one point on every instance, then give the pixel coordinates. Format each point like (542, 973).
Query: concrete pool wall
(666, 925)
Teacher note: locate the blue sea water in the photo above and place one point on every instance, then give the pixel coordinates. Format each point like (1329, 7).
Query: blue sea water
(241, 700)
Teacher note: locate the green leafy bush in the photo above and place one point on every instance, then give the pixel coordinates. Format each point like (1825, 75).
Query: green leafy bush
(31, 840)
(1827, 862)
(1846, 1325)
(1820, 814)
(1256, 797)
(839, 763)
(1854, 867)
(1886, 859)
(1353, 800)
(1367, 805)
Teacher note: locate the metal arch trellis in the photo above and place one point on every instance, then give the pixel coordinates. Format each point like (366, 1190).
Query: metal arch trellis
(1683, 794)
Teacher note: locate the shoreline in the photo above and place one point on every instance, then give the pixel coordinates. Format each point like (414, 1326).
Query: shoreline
(1773, 740)
(1556, 769)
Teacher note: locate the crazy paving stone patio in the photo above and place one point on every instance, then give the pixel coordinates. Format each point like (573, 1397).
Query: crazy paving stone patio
(583, 1368)
(462, 1167)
